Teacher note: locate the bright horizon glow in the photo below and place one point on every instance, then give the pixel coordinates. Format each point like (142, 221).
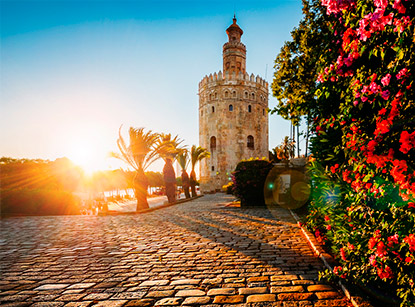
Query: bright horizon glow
(73, 72)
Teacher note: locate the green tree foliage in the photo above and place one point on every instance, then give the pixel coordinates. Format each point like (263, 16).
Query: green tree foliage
(295, 76)
(197, 154)
(168, 148)
(139, 153)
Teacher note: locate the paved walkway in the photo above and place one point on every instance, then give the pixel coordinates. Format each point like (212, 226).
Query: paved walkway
(196, 253)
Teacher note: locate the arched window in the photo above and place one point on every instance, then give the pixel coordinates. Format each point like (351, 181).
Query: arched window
(226, 94)
(213, 168)
(212, 143)
(230, 108)
(250, 143)
(253, 96)
(263, 111)
(210, 96)
(249, 108)
(246, 95)
(234, 94)
(213, 109)
(216, 95)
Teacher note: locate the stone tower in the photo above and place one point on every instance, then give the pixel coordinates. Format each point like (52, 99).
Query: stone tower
(233, 116)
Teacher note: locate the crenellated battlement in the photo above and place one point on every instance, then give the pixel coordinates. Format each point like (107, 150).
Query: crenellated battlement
(212, 79)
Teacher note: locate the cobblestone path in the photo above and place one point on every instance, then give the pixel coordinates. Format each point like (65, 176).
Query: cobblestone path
(196, 253)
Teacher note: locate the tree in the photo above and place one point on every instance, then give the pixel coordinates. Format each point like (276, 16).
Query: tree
(140, 153)
(285, 150)
(183, 160)
(197, 154)
(168, 148)
(295, 77)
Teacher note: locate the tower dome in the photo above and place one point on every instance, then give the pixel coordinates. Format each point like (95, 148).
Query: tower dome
(233, 116)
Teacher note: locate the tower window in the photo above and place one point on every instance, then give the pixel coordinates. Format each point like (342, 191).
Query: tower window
(253, 96)
(250, 143)
(210, 96)
(213, 109)
(213, 168)
(249, 108)
(246, 95)
(216, 95)
(263, 111)
(230, 107)
(212, 143)
(234, 94)
(226, 94)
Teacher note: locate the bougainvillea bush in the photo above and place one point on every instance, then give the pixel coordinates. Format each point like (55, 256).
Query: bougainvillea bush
(363, 120)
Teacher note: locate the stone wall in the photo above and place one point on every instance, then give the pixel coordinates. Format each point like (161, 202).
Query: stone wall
(232, 108)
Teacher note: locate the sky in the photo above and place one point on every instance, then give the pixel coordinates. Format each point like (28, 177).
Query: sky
(73, 72)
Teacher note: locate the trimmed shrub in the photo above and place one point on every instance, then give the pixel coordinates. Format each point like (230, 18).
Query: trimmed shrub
(249, 179)
(38, 202)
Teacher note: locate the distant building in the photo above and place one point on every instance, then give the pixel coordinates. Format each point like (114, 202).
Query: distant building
(233, 117)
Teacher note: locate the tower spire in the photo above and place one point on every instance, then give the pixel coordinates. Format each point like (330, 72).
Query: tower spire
(234, 52)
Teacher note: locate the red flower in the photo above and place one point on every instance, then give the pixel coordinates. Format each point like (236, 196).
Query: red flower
(407, 141)
(385, 273)
(372, 260)
(393, 240)
(328, 227)
(411, 241)
(408, 259)
(381, 251)
(337, 270)
(411, 205)
(343, 254)
(350, 246)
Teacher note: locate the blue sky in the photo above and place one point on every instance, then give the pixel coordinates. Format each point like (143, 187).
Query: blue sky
(73, 72)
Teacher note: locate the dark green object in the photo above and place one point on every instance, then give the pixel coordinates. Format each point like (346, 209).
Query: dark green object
(249, 180)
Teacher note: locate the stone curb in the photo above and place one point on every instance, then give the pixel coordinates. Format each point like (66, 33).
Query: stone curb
(323, 258)
(154, 208)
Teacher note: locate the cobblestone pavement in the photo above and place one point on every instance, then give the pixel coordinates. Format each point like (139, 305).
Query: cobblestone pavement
(196, 253)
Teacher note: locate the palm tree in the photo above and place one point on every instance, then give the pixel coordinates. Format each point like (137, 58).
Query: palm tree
(196, 154)
(286, 149)
(183, 160)
(140, 153)
(168, 148)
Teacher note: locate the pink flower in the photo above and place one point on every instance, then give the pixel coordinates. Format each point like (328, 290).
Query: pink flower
(386, 79)
(381, 3)
(355, 103)
(399, 7)
(385, 94)
(401, 73)
(374, 87)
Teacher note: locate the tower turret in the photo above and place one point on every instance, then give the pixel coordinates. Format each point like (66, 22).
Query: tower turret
(234, 52)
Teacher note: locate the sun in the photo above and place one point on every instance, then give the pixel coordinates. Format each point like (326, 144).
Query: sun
(87, 157)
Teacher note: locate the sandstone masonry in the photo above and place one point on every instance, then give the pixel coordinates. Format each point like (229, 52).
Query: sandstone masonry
(233, 116)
